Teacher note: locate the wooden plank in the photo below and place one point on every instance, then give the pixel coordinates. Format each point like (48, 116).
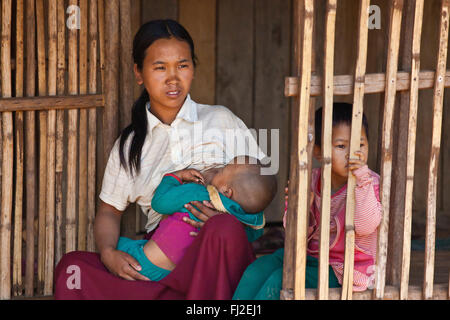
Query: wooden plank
(50, 103)
(412, 124)
(17, 279)
(126, 64)
(30, 155)
(327, 128)
(42, 91)
(358, 97)
(438, 100)
(386, 144)
(235, 75)
(391, 293)
(271, 41)
(303, 175)
(92, 125)
(51, 152)
(199, 18)
(83, 128)
(156, 9)
(373, 83)
(7, 157)
(72, 132)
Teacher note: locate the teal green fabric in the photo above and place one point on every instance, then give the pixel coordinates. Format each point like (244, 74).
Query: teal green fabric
(171, 196)
(262, 279)
(135, 248)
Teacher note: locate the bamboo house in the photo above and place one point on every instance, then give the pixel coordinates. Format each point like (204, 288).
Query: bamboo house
(67, 87)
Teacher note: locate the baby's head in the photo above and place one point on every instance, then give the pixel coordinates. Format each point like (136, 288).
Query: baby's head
(340, 144)
(241, 181)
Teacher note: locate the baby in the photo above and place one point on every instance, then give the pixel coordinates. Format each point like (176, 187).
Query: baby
(238, 189)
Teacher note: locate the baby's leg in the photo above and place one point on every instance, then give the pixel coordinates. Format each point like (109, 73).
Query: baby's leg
(135, 248)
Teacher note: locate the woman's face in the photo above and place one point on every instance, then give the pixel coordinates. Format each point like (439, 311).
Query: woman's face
(167, 73)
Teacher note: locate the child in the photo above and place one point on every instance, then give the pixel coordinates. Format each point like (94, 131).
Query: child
(263, 278)
(238, 188)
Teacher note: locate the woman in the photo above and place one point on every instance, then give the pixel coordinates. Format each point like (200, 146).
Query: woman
(163, 137)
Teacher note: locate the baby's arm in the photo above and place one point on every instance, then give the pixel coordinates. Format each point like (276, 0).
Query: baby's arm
(368, 209)
(171, 195)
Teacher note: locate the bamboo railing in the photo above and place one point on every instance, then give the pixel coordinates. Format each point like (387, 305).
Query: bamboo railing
(48, 192)
(306, 85)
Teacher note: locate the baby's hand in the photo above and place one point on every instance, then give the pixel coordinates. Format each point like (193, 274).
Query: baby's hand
(190, 175)
(356, 163)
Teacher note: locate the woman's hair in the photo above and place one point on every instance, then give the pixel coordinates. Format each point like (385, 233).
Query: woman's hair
(342, 114)
(146, 36)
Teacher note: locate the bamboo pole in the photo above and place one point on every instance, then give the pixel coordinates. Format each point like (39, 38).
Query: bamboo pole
(358, 97)
(386, 154)
(42, 89)
(374, 83)
(101, 40)
(18, 208)
(51, 148)
(82, 173)
(61, 52)
(303, 175)
(71, 234)
(8, 156)
(287, 292)
(412, 124)
(126, 64)
(327, 127)
(438, 99)
(111, 87)
(31, 151)
(92, 135)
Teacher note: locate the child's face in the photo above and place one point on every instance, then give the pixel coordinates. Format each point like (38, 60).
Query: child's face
(222, 180)
(167, 73)
(341, 149)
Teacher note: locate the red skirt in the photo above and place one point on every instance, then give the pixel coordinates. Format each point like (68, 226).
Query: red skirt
(210, 270)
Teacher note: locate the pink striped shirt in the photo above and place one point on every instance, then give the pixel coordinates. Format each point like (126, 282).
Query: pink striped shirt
(367, 217)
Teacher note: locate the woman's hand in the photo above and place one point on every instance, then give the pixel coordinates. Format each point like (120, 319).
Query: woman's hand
(206, 211)
(122, 264)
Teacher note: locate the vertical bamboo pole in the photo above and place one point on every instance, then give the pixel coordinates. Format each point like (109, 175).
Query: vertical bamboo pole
(92, 135)
(327, 127)
(126, 64)
(42, 88)
(8, 156)
(358, 98)
(386, 144)
(82, 173)
(61, 71)
(30, 120)
(111, 112)
(438, 99)
(18, 208)
(303, 175)
(412, 124)
(51, 148)
(101, 39)
(71, 234)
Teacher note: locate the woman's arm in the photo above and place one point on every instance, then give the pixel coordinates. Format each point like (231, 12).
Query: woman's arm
(106, 233)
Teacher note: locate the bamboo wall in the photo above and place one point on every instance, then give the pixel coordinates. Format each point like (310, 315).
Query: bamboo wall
(50, 95)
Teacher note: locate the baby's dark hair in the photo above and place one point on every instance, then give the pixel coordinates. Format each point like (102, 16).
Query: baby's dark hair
(254, 191)
(342, 113)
